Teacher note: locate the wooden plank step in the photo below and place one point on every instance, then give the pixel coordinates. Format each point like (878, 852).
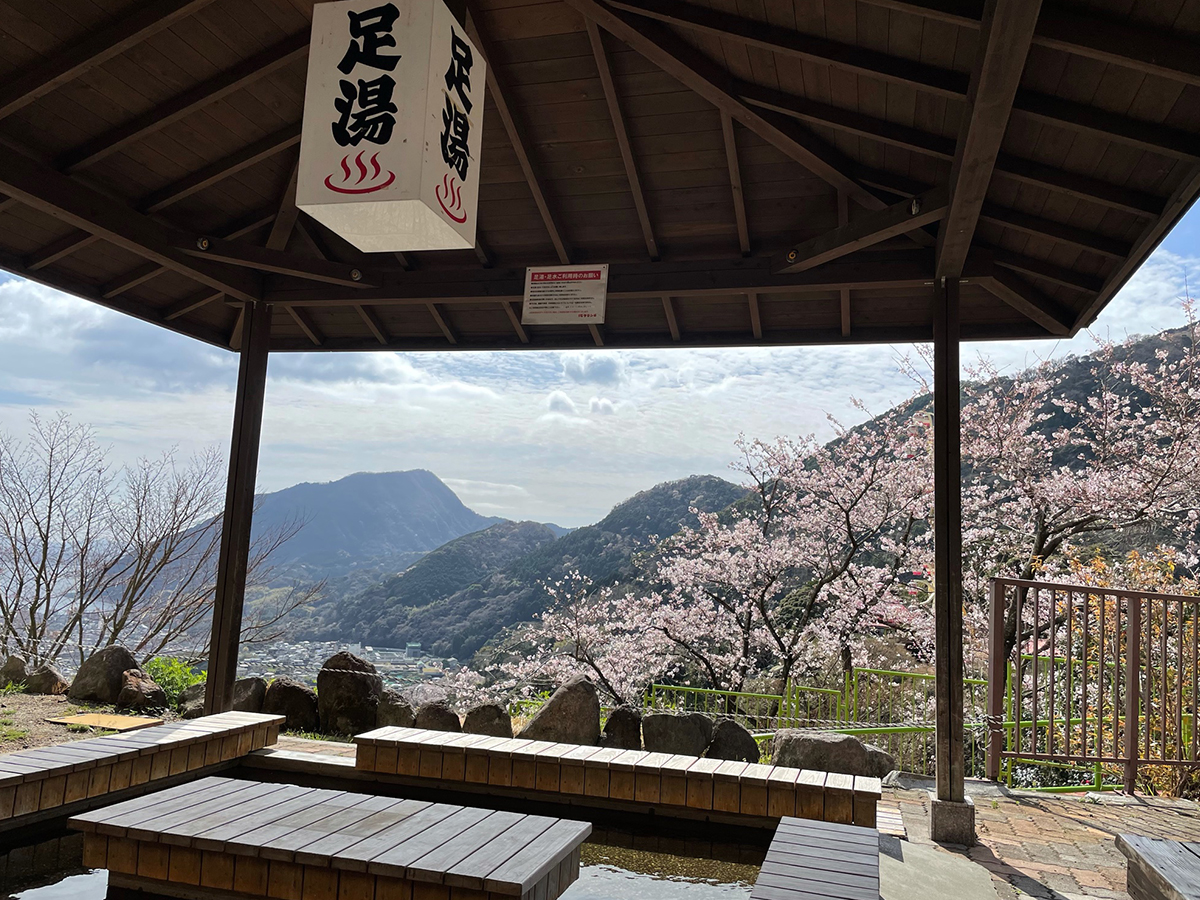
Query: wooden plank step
(819, 861)
(1160, 869)
(659, 780)
(284, 841)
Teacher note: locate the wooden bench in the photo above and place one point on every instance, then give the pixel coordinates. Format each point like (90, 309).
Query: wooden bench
(810, 860)
(220, 837)
(1158, 869)
(51, 781)
(636, 777)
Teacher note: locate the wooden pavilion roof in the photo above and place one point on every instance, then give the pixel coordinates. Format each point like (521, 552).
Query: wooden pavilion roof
(774, 171)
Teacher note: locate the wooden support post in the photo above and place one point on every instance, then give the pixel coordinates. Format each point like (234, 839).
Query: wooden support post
(239, 509)
(947, 529)
(997, 666)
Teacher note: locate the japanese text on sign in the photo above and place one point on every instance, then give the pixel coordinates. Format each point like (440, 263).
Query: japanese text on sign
(561, 295)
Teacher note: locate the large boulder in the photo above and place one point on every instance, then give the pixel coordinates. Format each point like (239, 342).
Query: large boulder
(731, 741)
(394, 709)
(687, 735)
(248, 694)
(295, 702)
(101, 678)
(139, 691)
(825, 751)
(45, 680)
(437, 716)
(623, 730)
(13, 671)
(491, 719)
(348, 692)
(570, 716)
(191, 702)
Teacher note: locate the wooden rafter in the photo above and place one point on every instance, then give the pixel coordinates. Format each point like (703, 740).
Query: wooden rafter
(690, 67)
(867, 230)
(1077, 117)
(279, 262)
(1058, 231)
(515, 321)
(305, 323)
(1138, 47)
(204, 94)
(371, 320)
(755, 320)
(1007, 165)
(1068, 278)
(672, 322)
(187, 304)
(40, 187)
(597, 335)
(441, 323)
(618, 121)
(843, 291)
(140, 275)
(482, 253)
(95, 48)
(56, 250)
(735, 182)
(1005, 38)
(1029, 301)
(516, 137)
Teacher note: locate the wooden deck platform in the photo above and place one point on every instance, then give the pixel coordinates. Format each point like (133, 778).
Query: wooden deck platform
(52, 781)
(668, 783)
(220, 837)
(1159, 869)
(820, 861)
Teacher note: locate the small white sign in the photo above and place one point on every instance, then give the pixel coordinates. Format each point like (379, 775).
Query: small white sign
(565, 295)
(393, 125)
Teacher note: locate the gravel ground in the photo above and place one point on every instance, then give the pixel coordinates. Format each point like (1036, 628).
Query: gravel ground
(23, 721)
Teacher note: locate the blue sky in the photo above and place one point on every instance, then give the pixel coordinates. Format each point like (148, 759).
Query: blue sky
(549, 436)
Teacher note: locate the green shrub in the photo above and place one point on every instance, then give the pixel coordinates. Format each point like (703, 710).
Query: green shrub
(173, 675)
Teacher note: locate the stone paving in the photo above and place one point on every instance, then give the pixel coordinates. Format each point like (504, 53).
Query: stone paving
(1055, 847)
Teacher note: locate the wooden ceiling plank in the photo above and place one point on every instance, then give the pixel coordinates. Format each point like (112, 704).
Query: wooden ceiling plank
(597, 335)
(867, 230)
(1029, 301)
(691, 68)
(209, 175)
(735, 182)
(618, 121)
(204, 94)
(97, 47)
(516, 137)
(305, 323)
(672, 323)
(845, 309)
(59, 249)
(374, 325)
(1005, 38)
(41, 187)
(755, 319)
(515, 321)
(441, 323)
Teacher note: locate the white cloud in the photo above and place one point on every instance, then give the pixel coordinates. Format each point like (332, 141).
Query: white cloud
(601, 406)
(559, 402)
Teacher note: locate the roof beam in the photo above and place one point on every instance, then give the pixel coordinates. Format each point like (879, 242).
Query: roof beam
(1057, 231)
(56, 250)
(204, 94)
(1068, 278)
(618, 121)
(306, 324)
(597, 335)
(755, 319)
(1029, 301)
(187, 304)
(39, 186)
(866, 230)
(374, 325)
(1007, 31)
(1076, 117)
(95, 48)
(482, 253)
(683, 62)
(515, 322)
(441, 323)
(278, 262)
(515, 137)
(1138, 47)
(672, 323)
(735, 182)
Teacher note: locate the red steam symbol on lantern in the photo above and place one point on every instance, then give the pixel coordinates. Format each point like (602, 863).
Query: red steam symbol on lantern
(448, 190)
(373, 183)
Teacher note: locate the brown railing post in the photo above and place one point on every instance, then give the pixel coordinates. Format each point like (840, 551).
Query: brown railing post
(1133, 689)
(996, 684)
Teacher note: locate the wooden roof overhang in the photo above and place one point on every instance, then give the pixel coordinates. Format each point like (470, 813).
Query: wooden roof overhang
(755, 171)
